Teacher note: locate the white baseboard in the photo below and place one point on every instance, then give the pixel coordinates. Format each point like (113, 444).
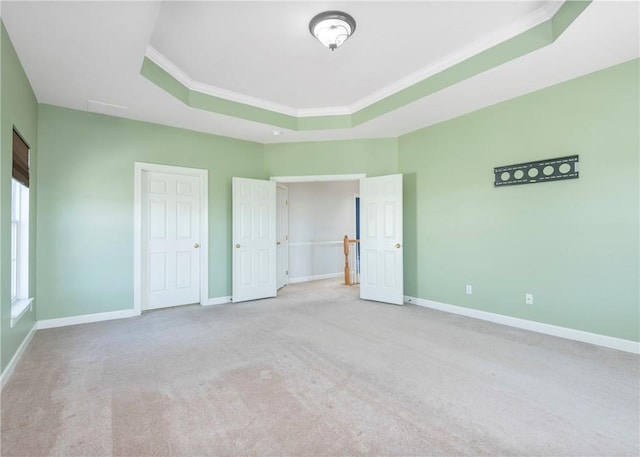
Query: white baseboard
(85, 319)
(218, 301)
(539, 327)
(314, 278)
(8, 371)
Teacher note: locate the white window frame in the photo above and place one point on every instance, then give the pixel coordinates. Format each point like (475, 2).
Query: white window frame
(20, 301)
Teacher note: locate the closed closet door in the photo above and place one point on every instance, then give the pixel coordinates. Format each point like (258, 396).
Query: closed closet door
(171, 239)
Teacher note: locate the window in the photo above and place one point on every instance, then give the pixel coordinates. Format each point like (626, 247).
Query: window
(20, 301)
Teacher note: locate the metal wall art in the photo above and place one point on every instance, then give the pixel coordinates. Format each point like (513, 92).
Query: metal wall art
(539, 171)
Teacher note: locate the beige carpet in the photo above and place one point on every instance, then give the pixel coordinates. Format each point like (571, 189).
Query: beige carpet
(317, 372)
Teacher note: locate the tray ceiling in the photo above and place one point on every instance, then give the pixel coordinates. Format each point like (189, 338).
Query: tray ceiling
(236, 59)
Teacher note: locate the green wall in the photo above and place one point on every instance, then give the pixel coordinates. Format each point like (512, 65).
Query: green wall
(19, 109)
(574, 244)
(85, 235)
(374, 157)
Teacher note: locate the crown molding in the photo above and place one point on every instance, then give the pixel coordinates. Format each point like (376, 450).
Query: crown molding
(328, 111)
(540, 15)
(167, 65)
(159, 59)
(530, 33)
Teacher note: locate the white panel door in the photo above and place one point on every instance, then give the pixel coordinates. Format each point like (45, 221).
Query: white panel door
(170, 239)
(282, 235)
(254, 239)
(381, 270)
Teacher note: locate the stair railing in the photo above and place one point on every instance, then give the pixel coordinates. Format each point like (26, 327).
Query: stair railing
(351, 261)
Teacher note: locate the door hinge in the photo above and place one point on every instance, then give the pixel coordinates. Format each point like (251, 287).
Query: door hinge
(286, 272)
(286, 202)
(286, 237)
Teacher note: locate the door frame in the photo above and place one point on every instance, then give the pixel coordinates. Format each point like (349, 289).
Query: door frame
(203, 175)
(317, 178)
(283, 254)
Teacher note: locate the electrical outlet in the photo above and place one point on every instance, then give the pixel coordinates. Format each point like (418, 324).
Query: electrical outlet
(528, 299)
(469, 289)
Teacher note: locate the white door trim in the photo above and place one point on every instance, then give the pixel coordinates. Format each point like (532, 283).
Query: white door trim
(318, 178)
(282, 248)
(140, 167)
(355, 197)
(356, 177)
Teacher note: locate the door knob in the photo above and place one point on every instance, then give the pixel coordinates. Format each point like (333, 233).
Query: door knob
(238, 245)
(398, 245)
(196, 245)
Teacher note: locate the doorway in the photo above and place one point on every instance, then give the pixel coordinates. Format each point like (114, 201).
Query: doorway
(381, 240)
(320, 215)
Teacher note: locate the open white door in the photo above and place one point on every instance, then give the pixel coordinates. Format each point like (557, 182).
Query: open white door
(254, 239)
(282, 235)
(381, 271)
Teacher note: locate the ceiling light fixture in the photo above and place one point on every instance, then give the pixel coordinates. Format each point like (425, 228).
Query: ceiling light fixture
(332, 28)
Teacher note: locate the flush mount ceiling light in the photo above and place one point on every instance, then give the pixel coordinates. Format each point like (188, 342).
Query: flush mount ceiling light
(332, 28)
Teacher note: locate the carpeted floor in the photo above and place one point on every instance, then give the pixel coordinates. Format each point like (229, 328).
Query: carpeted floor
(317, 372)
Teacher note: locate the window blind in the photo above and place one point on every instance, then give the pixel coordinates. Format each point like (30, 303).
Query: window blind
(20, 160)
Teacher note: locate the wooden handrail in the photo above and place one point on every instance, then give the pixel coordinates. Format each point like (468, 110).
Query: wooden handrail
(347, 269)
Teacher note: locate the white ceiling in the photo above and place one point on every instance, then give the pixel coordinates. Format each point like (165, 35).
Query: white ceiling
(75, 52)
(218, 44)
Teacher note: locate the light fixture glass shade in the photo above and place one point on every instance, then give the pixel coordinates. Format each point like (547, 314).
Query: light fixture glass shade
(332, 28)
